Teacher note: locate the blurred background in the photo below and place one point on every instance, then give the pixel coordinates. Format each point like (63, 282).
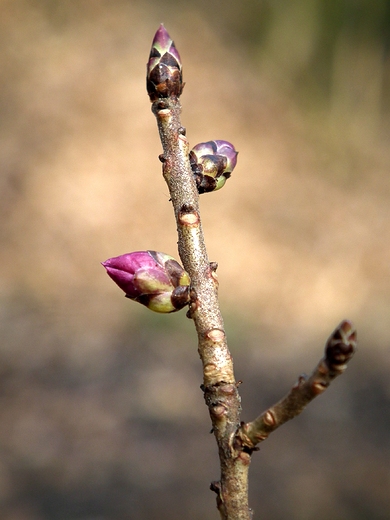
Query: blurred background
(101, 415)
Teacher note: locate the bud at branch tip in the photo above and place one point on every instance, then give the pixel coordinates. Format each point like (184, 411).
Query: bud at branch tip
(164, 71)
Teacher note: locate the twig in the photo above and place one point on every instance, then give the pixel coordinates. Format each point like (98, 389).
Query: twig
(339, 349)
(219, 386)
(236, 441)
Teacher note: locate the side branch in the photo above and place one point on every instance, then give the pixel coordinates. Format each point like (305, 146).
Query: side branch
(339, 349)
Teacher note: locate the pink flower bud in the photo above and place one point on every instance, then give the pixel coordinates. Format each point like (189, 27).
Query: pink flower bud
(151, 278)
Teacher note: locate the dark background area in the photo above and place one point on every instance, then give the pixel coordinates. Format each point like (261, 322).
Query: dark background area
(101, 415)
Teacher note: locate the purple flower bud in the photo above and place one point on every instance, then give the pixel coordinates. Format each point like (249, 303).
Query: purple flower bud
(154, 279)
(164, 77)
(212, 164)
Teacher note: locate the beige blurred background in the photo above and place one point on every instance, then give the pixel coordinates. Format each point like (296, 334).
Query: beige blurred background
(101, 415)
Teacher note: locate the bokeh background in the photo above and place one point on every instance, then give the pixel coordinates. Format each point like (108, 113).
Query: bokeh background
(101, 415)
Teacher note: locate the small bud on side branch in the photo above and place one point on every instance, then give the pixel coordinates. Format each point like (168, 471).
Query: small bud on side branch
(339, 349)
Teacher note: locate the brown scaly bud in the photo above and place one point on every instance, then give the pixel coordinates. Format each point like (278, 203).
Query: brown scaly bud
(341, 346)
(164, 76)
